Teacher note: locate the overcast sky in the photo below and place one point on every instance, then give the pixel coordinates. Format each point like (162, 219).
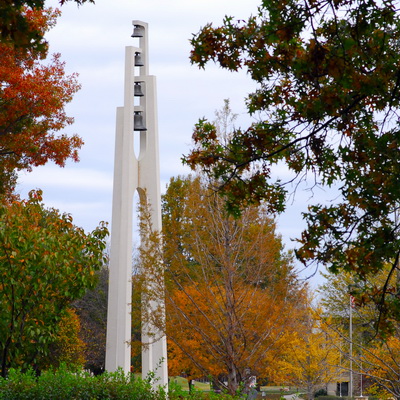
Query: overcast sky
(92, 40)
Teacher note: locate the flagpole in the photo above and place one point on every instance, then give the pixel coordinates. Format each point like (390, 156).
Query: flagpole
(351, 347)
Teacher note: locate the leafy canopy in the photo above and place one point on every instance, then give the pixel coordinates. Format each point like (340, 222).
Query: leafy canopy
(15, 27)
(375, 354)
(313, 357)
(328, 97)
(230, 290)
(33, 95)
(46, 262)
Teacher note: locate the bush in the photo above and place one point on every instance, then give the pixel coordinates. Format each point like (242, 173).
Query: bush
(68, 385)
(320, 392)
(18, 386)
(63, 384)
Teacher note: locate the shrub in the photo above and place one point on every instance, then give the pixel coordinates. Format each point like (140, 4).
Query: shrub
(320, 392)
(63, 384)
(18, 386)
(68, 385)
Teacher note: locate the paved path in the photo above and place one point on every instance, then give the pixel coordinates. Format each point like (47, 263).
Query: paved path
(294, 396)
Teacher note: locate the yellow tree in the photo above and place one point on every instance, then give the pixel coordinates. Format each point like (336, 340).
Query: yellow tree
(375, 340)
(68, 347)
(231, 291)
(186, 358)
(313, 356)
(92, 312)
(179, 364)
(382, 364)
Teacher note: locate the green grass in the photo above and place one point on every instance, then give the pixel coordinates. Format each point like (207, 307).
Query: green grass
(278, 389)
(182, 382)
(271, 389)
(185, 386)
(202, 386)
(205, 387)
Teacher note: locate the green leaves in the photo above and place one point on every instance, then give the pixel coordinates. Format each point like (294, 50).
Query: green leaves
(45, 263)
(328, 98)
(16, 29)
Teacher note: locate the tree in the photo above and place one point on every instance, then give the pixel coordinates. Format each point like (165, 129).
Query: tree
(45, 264)
(313, 356)
(382, 364)
(16, 29)
(328, 98)
(92, 312)
(366, 293)
(68, 348)
(375, 352)
(179, 364)
(33, 95)
(231, 291)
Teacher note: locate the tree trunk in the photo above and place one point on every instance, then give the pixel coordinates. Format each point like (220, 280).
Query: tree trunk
(5, 355)
(233, 383)
(310, 392)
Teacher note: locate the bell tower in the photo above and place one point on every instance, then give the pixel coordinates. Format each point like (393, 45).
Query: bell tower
(134, 173)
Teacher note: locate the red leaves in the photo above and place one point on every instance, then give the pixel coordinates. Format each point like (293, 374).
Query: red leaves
(329, 81)
(19, 30)
(32, 100)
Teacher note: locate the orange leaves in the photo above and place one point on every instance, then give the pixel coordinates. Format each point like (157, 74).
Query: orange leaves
(229, 288)
(23, 24)
(32, 100)
(328, 91)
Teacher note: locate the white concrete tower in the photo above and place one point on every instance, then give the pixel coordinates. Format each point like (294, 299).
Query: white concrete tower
(132, 174)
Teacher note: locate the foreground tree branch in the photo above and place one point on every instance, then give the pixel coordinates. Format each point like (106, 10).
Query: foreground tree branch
(328, 102)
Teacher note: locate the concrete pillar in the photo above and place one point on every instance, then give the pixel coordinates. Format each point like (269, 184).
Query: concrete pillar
(132, 174)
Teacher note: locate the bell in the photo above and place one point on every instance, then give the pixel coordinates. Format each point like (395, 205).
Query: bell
(138, 89)
(138, 59)
(138, 31)
(138, 124)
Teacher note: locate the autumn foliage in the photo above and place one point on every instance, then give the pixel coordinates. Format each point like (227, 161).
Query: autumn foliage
(33, 94)
(313, 358)
(16, 29)
(67, 348)
(326, 103)
(92, 312)
(375, 352)
(381, 363)
(231, 291)
(46, 262)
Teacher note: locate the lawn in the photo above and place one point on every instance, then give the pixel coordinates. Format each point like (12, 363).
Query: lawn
(206, 386)
(184, 384)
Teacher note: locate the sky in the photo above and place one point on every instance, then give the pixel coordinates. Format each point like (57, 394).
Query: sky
(92, 41)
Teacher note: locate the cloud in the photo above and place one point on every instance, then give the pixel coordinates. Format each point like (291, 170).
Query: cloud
(67, 178)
